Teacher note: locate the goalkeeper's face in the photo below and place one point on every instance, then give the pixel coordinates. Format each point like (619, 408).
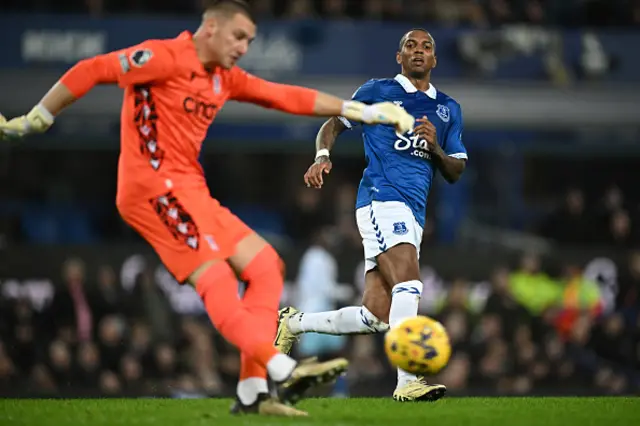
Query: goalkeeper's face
(417, 54)
(229, 39)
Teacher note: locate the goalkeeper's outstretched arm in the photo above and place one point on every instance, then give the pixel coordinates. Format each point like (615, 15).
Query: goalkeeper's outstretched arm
(298, 100)
(128, 66)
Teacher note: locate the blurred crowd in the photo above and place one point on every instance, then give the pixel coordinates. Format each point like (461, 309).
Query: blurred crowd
(610, 219)
(480, 13)
(522, 331)
(534, 331)
(91, 336)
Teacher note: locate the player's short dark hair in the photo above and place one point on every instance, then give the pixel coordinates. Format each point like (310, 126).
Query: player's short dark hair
(404, 38)
(230, 7)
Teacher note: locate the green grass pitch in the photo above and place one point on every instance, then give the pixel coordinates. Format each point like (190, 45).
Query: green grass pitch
(333, 412)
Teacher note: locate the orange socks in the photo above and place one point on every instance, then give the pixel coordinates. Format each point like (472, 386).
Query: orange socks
(218, 288)
(251, 323)
(264, 281)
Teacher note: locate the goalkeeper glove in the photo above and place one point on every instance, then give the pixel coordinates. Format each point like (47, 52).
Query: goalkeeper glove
(38, 120)
(380, 113)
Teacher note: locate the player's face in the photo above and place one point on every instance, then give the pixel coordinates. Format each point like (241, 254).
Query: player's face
(418, 55)
(230, 39)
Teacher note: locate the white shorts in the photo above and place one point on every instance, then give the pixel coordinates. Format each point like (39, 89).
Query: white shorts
(384, 224)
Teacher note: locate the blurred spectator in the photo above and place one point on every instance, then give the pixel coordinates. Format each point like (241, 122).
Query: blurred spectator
(307, 210)
(95, 8)
(456, 375)
(620, 231)
(110, 383)
(131, 373)
(316, 291)
(612, 340)
(109, 298)
(366, 360)
(532, 288)
(395, 10)
(452, 13)
(502, 302)
(635, 12)
(302, 9)
(628, 299)
(345, 201)
(71, 312)
(88, 359)
(500, 12)
(111, 335)
(202, 355)
(534, 12)
(8, 372)
(571, 223)
(165, 364)
(334, 9)
(152, 307)
(140, 340)
(373, 9)
(264, 8)
(580, 299)
(60, 363)
(21, 335)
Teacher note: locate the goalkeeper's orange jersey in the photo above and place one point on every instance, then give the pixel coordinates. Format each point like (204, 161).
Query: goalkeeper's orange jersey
(170, 100)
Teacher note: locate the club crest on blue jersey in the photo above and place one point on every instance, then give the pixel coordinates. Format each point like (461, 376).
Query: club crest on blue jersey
(443, 112)
(400, 228)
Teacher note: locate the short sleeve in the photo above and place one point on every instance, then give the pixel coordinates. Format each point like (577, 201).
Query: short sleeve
(146, 62)
(453, 145)
(367, 94)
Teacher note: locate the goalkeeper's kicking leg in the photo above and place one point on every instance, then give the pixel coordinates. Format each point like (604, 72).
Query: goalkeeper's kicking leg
(250, 324)
(384, 305)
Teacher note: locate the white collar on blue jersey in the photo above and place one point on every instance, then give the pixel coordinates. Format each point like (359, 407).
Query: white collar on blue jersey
(410, 88)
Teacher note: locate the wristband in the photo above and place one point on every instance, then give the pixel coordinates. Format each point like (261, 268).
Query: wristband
(324, 152)
(44, 113)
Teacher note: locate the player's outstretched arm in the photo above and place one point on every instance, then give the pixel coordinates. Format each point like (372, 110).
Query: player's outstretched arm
(74, 84)
(304, 101)
(143, 63)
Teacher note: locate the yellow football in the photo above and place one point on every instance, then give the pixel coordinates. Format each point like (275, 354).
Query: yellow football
(419, 345)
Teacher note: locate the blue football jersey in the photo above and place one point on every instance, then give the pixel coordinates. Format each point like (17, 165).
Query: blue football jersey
(399, 167)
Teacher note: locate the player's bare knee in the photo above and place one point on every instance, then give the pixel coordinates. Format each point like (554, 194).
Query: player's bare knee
(377, 294)
(378, 304)
(399, 264)
(380, 311)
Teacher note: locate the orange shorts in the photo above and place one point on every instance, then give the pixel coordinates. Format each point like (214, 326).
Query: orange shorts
(186, 228)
